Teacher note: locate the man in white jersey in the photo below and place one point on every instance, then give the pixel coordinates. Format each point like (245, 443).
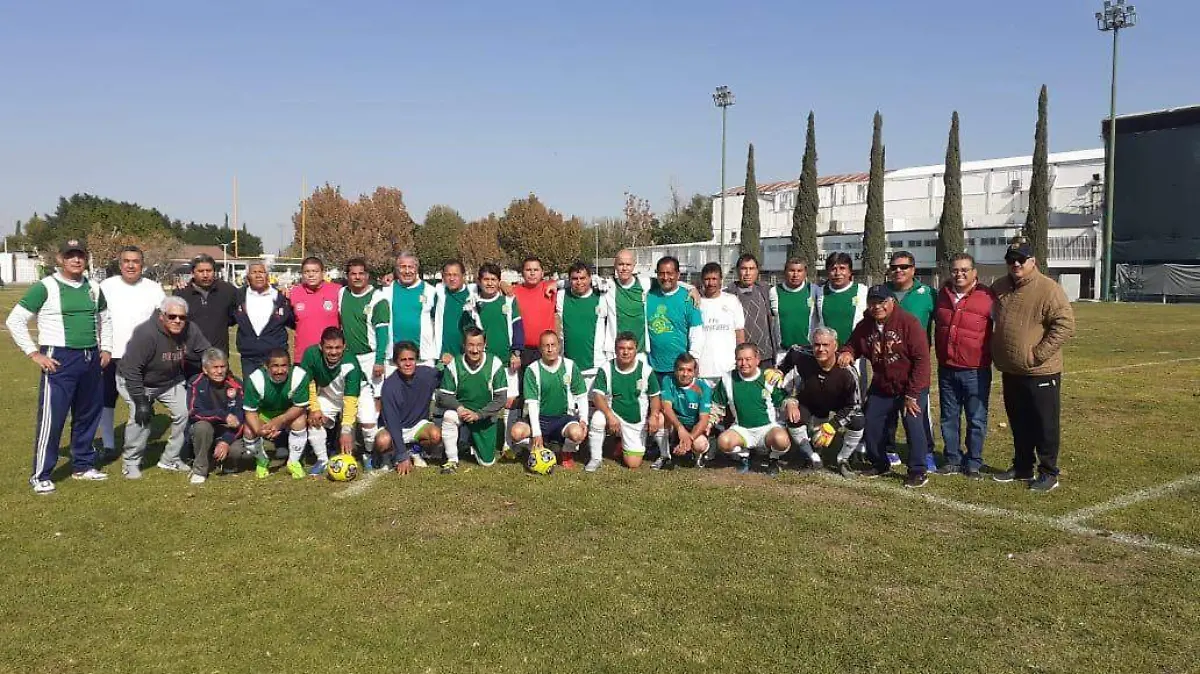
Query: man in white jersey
(724, 326)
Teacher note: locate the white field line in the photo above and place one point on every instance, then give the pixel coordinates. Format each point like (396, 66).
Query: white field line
(1117, 368)
(1060, 523)
(360, 486)
(1126, 500)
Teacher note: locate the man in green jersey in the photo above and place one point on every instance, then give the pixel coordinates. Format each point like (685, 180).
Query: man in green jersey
(752, 401)
(449, 304)
(583, 323)
(794, 304)
(275, 404)
(366, 316)
(335, 384)
(556, 401)
(686, 408)
(917, 299)
(473, 392)
(626, 396)
(499, 316)
(410, 302)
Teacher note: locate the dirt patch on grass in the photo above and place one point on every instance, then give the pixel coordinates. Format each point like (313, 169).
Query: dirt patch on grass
(464, 517)
(1086, 559)
(803, 489)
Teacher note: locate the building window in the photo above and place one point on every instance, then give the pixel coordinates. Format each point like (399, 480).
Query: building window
(931, 243)
(913, 244)
(862, 193)
(970, 242)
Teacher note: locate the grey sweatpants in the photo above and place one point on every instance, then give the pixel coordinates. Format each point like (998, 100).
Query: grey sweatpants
(136, 437)
(204, 439)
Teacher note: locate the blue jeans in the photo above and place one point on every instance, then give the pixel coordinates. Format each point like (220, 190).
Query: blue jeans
(881, 406)
(964, 390)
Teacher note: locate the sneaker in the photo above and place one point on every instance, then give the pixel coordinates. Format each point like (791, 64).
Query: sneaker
(449, 468)
(568, 461)
(368, 462)
(41, 486)
(318, 468)
(592, 465)
(131, 472)
(174, 467)
(701, 460)
(874, 472)
(418, 461)
(844, 469)
(950, 469)
(1044, 483)
(972, 474)
(296, 469)
(893, 458)
(262, 467)
(197, 479)
(916, 480)
(658, 463)
(1011, 475)
(90, 474)
(668, 463)
(744, 465)
(772, 467)
(931, 463)
(814, 462)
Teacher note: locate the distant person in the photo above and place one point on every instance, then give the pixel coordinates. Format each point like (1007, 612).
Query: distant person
(211, 302)
(262, 315)
(314, 304)
(762, 327)
(1033, 321)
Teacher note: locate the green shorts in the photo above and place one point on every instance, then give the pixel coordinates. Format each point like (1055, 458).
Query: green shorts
(485, 438)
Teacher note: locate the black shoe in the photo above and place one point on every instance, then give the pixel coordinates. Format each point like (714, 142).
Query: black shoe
(875, 471)
(1011, 475)
(916, 480)
(668, 464)
(1044, 483)
(972, 474)
(949, 469)
(772, 467)
(844, 469)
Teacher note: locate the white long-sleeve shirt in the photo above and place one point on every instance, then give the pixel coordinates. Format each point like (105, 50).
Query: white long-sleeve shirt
(130, 305)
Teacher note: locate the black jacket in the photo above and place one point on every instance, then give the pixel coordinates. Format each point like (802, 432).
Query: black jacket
(274, 335)
(153, 360)
(211, 311)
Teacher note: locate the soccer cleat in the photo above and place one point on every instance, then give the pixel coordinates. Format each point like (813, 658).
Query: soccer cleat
(131, 472)
(744, 465)
(197, 479)
(318, 468)
(262, 467)
(449, 468)
(41, 486)
(592, 465)
(658, 463)
(772, 467)
(930, 463)
(174, 466)
(1011, 475)
(815, 462)
(668, 463)
(701, 460)
(893, 458)
(568, 461)
(915, 480)
(845, 470)
(296, 469)
(91, 474)
(1044, 483)
(972, 474)
(950, 469)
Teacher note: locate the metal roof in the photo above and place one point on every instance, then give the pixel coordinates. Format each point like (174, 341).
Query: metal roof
(788, 185)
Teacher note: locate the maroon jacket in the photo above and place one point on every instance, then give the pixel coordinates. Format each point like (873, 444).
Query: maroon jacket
(963, 334)
(899, 354)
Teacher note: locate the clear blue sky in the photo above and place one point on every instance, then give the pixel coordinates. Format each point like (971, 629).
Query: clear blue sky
(473, 104)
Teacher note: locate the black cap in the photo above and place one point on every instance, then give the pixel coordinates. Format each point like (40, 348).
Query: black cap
(1019, 247)
(879, 293)
(71, 246)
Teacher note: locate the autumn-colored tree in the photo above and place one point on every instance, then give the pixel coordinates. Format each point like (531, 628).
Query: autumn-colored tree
(158, 247)
(639, 222)
(374, 227)
(480, 242)
(529, 228)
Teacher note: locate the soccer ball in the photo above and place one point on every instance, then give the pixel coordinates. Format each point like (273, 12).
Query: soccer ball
(541, 461)
(342, 468)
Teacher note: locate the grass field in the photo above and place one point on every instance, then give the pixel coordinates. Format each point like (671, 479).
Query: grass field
(490, 570)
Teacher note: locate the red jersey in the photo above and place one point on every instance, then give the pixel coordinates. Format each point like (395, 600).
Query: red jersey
(537, 305)
(315, 310)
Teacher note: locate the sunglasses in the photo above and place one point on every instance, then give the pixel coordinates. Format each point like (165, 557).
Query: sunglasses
(1016, 259)
(176, 317)
(905, 267)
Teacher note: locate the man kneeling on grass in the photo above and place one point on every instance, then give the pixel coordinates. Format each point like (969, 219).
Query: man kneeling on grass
(556, 401)
(627, 402)
(215, 400)
(407, 393)
(752, 399)
(335, 382)
(686, 407)
(473, 394)
(276, 401)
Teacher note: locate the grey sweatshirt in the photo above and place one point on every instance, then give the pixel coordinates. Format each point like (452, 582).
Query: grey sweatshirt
(153, 360)
(762, 327)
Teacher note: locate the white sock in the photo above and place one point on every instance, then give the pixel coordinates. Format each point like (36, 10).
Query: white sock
(296, 442)
(450, 435)
(255, 447)
(664, 442)
(317, 437)
(107, 435)
(850, 442)
(510, 417)
(369, 434)
(799, 435)
(596, 437)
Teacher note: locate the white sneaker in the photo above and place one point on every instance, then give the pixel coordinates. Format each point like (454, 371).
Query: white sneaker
(592, 466)
(196, 479)
(41, 486)
(131, 471)
(176, 467)
(89, 474)
(816, 461)
(418, 461)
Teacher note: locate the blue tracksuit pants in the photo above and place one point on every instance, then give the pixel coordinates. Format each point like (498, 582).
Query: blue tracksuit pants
(77, 389)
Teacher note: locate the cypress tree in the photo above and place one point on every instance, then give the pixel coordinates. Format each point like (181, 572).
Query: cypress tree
(874, 237)
(751, 227)
(804, 215)
(1037, 218)
(950, 225)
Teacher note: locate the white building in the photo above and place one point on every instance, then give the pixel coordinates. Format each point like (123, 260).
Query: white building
(995, 200)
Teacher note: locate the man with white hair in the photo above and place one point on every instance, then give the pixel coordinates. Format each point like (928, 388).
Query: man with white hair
(262, 315)
(411, 305)
(824, 400)
(153, 370)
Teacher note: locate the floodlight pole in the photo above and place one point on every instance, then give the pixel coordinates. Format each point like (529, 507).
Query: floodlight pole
(723, 98)
(1115, 16)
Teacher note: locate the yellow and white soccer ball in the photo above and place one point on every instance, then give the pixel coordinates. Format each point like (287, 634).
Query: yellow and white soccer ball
(541, 461)
(342, 468)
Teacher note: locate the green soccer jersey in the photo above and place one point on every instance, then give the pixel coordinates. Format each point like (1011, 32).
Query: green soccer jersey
(630, 304)
(794, 307)
(554, 388)
(918, 301)
(266, 397)
(66, 311)
(453, 303)
(344, 378)
(365, 321)
(628, 392)
(669, 318)
(842, 310)
(474, 388)
(688, 402)
(753, 402)
(409, 303)
(583, 325)
(499, 317)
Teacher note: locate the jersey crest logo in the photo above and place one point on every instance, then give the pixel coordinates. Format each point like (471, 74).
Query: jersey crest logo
(300, 306)
(327, 305)
(230, 393)
(921, 290)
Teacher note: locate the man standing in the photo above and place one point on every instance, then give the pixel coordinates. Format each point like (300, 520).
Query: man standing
(473, 393)
(132, 299)
(449, 303)
(314, 303)
(216, 415)
(74, 344)
(963, 338)
(211, 302)
(405, 411)
(752, 401)
(824, 400)
(411, 301)
(335, 383)
(724, 326)
(583, 323)
(917, 299)
(538, 301)
(628, 401)
(842, 300)
(275, 402)
(674, 323)
(262, 315)
(899, 352)
(153, 370)
(762, 327)
(556, 402)
(794, 305)
(1033, 321)
(365, 316)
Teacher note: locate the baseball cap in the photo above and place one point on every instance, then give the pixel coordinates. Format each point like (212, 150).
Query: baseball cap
(71, 246)
(1019, 247)
(879, 293)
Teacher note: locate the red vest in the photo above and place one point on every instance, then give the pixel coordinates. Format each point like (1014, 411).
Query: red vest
(963, 334)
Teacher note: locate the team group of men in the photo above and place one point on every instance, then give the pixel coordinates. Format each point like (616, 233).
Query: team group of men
(650, 368)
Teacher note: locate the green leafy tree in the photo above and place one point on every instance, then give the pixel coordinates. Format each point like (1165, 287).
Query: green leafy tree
(437, 237)
(808, 203)
(950, 224)
(205, 234)
(529, 228)
(1037, 218)
(751, 226)
(874, 235)
(685, 222)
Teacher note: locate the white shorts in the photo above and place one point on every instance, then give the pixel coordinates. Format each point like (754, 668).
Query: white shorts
(331, 406)
(514, 387)
(366, 362)
(409, 435)
(755, 438)
(633, 436)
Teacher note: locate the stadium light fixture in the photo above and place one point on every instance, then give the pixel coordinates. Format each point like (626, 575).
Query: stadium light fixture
(722, 98)
(1115, 16)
